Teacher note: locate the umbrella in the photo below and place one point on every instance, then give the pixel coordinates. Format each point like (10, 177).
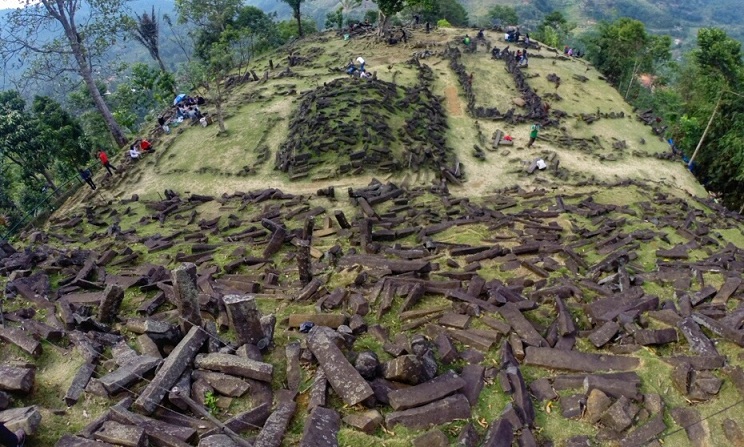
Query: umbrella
(179, 98)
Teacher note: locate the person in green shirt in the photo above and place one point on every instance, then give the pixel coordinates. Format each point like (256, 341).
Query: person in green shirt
(466, 40)
(533, 133)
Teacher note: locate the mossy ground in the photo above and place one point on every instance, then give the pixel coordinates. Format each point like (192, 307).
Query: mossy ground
(197, 160)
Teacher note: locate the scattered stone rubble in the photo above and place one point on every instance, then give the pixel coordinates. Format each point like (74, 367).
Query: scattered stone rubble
(574, 305)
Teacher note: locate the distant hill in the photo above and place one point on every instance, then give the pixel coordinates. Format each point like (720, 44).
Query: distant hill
(128, 51)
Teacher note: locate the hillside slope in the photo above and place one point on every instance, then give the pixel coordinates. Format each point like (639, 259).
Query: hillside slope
(596, 301)
(195, 159)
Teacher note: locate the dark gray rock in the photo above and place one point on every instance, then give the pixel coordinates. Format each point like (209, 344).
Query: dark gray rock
(424, 393)
(345, 380)
(406, 368)
(438, 412)
(321, 428)
(367, 364)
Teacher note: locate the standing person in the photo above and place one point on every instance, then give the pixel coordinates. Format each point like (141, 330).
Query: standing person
(10, 439)
(105, 162)
(428, 27)
(533, 133)
(86, 175)
(163, 125)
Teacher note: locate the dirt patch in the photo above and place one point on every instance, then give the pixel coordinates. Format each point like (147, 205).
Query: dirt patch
(454, 107)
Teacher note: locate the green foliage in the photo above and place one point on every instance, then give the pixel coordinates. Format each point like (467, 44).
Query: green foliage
(443, 23)
(720, 53)
(61, 134)
(288, 29)
(79, 39)
(259, 27)
(335, 19)
(371, 16)
(453, 12)
(450, 10)
(503, 15)
(10, 213)
(296, 13)
(554, 30)
(621, 48)
(210, 402)
(389, 8)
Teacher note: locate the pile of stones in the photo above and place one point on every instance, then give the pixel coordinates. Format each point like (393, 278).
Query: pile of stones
(556, 283)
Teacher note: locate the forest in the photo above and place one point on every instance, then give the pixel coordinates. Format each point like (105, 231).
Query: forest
(70, 90)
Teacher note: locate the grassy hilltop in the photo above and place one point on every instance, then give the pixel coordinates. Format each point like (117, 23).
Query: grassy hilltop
(195, 159)
(614, 191)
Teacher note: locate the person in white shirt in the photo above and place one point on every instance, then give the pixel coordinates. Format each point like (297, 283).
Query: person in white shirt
(134, 153)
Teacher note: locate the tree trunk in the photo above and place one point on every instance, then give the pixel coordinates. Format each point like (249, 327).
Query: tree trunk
(162, 65)
(73, 38)
(382, 19)
(50, 181)
(299, 20)
(218, 106)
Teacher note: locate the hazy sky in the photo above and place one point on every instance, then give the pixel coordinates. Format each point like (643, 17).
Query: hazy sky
(5, 4)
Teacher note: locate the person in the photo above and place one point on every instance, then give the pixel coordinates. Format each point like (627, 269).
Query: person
(403, 35)
(481, 35)
(146, 146)
(428, 27)
(10, 439)
(533, 133)
(495, 53)
(527, 39)
(361, 63)
(163, 124)
(565, 50)
(416, 19)
(470, 79)
(105, 162)
(570, 52)
(351, 68)
(364, 75)
(519, 56)
(87, 176)
(466, 40)
(134, 153)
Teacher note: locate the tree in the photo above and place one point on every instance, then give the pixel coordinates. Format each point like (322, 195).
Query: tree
(335, 19)
(504, 15)
(60, 134)
(259, 26)
(709, 84)
(719, 52)
(622, 48)
(211, 18)
(349, 5)
(295, 5)
(388, 8)
(77, 49)
(453, 12)
(20, 144)
(146, 31)
(287, 29)
(554, 29)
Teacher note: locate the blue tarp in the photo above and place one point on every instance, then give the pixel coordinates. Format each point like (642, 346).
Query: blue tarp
(179, 98)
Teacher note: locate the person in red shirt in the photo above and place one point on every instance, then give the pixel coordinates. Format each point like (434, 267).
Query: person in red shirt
(105, 162)
(146, 146)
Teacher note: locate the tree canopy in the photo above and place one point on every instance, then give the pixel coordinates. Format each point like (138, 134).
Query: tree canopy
(503, 15)
(78, 47)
